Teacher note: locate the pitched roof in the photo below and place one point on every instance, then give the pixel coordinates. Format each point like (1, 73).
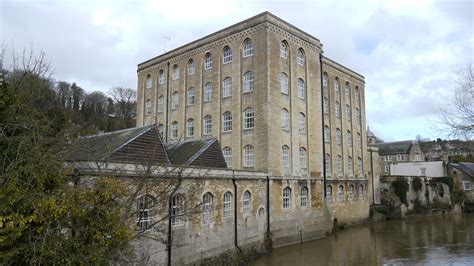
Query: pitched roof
(205, 153)
(398, 147)
(466, 168)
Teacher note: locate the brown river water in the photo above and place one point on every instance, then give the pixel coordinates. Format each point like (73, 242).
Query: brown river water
(433, 240)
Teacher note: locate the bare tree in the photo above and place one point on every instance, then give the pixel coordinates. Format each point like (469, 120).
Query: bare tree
(457, 117)
(125, 100)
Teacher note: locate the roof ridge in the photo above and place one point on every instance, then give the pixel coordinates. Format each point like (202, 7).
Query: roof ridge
(203, 148)
(112, 132)
(145, 129)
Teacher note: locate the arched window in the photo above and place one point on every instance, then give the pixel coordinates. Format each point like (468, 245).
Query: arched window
(249, 121)
(174, 100)
(325, 80)
(227, 152)
(336, 85)
(327, 162)
(357, 115)
(300, 89)
(285, 157)
(190, 127)
(247, 202)
(161, 78)
(347, 89)
(337, 108)
(340, 171)
(284, 83)
(174, 130)
(248, 81)
(227, 205)
(350, 164)
(177, 210)
(148, 107)
(287, 198)
(329, 193)
(338, 136)
(227, 58)
(361, 192)
(248, 48)
(349, 138)
(340, 193)
(304, 197)
(207, 208)
(161, 129)
(348, 112)
(175, 72)
(227, 122)
(144, 212)
(283, 50)
(161, 104)
(207, 125)
(208, 63)
(327, 135)
(359, 166)
(351, 192)
(191, 96)
(227, 87)
(148, 82)
(303, 160)
(249, 156)
(325, 105)
(285, 119)
(191, 67)
(359, 140)
(300, 57)
(207, 92)
(356, 93)
(302, 123)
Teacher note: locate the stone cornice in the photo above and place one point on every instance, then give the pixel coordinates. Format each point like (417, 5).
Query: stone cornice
(328, 63)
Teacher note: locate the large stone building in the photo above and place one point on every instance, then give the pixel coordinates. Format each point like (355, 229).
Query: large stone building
(398, 152)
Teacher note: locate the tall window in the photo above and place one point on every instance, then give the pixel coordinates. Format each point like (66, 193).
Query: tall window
(249, 121)
(227, 152)
(227, 122)
(351, 192)
(191, 67)
(148, 82)
(148, 107)
(304, 197)
(338, 136)
(190, 128)
(144, 212)
(174, 130)
(285, 119)
(191, 96)
(349, 138)
(337, 108)
(327, 136)
(339, 165)
(208, 63)
(227, 206)
(325, 105)
(286, 198)
(303, 160)
(284, 83)
(161, 104)
(248, 81)
(327, 162)
(207, 125)
(348, 112)
(227, 87)
(227, 55)
(340, 193)
(207, 92)
(361, 192)
(329, 193)
(300, 89)
(161, 78)
(249, 156)
(359, 166)
(300, 57)
(350, 164)
(175, 72)
(174, 100)
(161, 129)
(248, 48)
(356, 93)
(336, 85)
(207, 208)
(325, 79)
(285, 157)
(283, 50)
(359, 140)
(302, 123)
(247, 202)
(177, 210)
(357, 115)
(347, 89)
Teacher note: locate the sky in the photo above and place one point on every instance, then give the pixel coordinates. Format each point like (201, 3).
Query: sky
(408, 50)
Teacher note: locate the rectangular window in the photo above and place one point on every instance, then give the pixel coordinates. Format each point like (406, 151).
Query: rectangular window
(387, 168)
(207, 92)
(423, 171)
(227, 122)
(249, 121)
(304, 197)
(466, 185)
(227, 205)
(227, 87)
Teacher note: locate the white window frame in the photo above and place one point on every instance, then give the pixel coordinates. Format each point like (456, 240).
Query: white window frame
(190, 128)
(175, 72)
(347, 89)
(148, 106)
(304, 197)
(177, 210)
(327, 159)
(327, 135)
(284, 83)
(300, 57)
(247, 202)
(283, 50)
(340, 168)
(249, 156)
(161, 104)
(285, 157)
(161, 78)
(285, 119)
(227, 153)
(227, 87)
(249, 118)
(191, 67)
(207, 92)
(248, 81)
(356, 93)
(340, 193)
(174, 130)
(325, 105)
(191, 96)
(148, 82)
(466, 185)
(144, 212)
(227, 57)
(329, 194)
(207, 125)
(287, 198)
(227, 122)
(208, 62)
(248, 48)
(175, 100)
(303, 160)
(207, 208)
(336, 85)
(227, 205)
(300, 89)
(302, 123)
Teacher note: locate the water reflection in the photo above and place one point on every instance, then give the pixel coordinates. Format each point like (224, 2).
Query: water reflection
(432, 240)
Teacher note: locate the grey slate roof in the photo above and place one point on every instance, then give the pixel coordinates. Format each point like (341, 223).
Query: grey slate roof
(205, 153)
(466, 168)
(398, 147)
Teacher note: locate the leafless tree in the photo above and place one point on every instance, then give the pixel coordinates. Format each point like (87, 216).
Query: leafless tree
(125, 100)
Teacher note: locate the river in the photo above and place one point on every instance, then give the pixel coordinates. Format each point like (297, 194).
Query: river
(433, 240)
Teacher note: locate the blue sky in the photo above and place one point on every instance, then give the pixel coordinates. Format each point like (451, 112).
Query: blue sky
(407, 50)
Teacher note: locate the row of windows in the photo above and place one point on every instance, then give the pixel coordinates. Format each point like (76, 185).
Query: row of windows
(347, 87)
(284, 88)
(327, 137)
(339, 168)
(340, 193)
(284, 52)
(337, 110)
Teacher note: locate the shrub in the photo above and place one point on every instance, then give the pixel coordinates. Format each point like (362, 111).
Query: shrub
(400, 188)
(446, 180)
(417, 183)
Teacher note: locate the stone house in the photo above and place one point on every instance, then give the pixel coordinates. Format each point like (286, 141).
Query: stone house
(399, 151)
(463, 175)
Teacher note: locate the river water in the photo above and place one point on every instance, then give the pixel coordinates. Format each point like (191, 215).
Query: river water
(434, 240)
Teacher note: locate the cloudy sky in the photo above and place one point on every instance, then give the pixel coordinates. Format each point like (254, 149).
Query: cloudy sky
(407, 50)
